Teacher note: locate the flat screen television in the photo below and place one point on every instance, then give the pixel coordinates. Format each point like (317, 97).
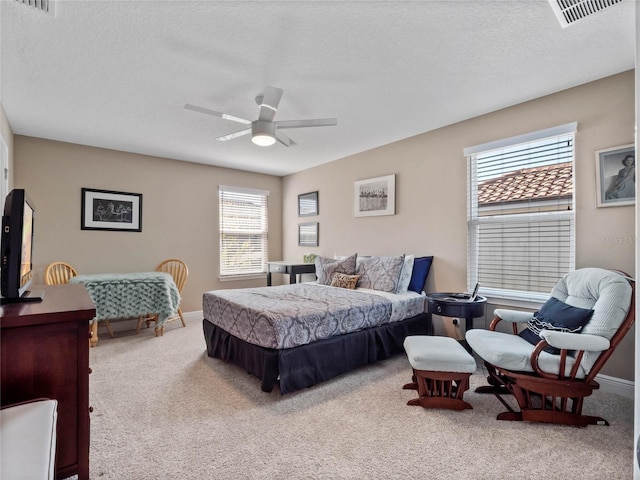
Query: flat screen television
(16, 266)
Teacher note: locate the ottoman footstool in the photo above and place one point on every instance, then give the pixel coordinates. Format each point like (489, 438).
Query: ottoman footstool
(441, 371)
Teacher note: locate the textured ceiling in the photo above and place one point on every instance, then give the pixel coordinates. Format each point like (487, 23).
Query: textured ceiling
(116, 74)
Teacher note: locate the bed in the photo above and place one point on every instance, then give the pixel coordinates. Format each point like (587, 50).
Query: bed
(301, 334)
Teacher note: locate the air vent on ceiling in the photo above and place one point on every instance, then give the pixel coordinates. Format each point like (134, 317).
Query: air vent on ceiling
(570, 11)
(42, 5)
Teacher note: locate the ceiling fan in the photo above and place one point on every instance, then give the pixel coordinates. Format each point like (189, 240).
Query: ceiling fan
(264, 131)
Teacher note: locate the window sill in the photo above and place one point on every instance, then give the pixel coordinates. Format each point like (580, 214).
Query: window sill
(529, 301)
(237, 278)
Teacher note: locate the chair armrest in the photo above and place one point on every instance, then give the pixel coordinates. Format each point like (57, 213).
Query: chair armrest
(575, 341)
(513, 316)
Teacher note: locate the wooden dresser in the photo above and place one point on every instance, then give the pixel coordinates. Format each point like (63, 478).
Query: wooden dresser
(44, 352)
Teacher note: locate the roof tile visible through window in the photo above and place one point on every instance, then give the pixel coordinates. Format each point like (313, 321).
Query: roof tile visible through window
(538, 183)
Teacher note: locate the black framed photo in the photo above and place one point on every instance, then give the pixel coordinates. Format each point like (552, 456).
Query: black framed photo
(108, 210)
(308, 234)
(308, 204)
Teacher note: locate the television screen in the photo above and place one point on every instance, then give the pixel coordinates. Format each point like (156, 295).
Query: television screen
(27, 241)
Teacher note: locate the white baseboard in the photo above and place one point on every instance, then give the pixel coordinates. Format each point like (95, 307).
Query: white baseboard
(619, 386)
(197, 315)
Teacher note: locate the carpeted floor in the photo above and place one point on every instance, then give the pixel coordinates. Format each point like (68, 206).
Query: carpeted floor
(164, 410)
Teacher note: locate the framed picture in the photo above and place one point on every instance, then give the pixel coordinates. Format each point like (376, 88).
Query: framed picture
(107, 210)
(308, 204)
(308, 234)
(616, 176)
(375, 196)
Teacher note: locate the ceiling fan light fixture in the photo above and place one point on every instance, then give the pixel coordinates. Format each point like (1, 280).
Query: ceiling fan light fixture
(263, 133)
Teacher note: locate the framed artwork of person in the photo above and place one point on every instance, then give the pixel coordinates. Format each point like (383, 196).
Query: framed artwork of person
(616, 176)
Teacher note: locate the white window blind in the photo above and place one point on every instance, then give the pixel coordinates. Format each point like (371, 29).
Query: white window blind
(521, 215)
(243, 231)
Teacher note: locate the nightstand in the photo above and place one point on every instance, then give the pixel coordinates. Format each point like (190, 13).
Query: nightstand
(289, 268)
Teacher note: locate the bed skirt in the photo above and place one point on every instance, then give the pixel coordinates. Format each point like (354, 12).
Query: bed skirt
(306, 365)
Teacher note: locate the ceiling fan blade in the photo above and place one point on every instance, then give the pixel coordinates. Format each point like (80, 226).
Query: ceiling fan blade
(283, 139)
(269, 104)
(233, 135)
(208, 111)
(317, 122)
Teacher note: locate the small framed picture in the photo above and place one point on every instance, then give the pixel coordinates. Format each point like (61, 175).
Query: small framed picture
(616, 176)
(308, 204)
(308, 234)
(108, 210)
(375, 196)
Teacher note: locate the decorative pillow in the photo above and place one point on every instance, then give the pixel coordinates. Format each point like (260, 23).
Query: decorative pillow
(326, 267)
(405, 274)
(343, 280)
(421, 267)
(558, 316)
(380, 273)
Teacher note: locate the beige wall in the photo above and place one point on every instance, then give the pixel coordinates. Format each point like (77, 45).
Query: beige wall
(7, 135)
(431, 203)
(179, 211)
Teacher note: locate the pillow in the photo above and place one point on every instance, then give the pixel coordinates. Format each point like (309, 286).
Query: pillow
(557, 316)
(380, 273)
(405, 274)
(421, 267)
(343, 280)
(326, 267)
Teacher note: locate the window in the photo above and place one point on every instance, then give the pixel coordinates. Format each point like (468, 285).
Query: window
(521, 214)
(243, 231)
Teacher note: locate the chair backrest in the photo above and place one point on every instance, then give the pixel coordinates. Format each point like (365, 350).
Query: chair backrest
(177, 269)
(58, 273)
(611, 296)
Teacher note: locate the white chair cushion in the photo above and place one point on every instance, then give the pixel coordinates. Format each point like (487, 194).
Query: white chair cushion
(28, 438)
(438, 354)
(606, 292)
(511, 352)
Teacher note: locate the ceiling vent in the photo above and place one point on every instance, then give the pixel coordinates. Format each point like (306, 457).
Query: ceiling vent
(571, 11)
(45, 6)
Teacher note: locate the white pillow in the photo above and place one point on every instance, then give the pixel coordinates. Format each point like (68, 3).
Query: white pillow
(405, 274)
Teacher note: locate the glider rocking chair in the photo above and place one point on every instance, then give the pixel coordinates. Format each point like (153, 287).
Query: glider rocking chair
(550, 366)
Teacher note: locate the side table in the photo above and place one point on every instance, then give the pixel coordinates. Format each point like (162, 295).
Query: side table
(458, 305)
(290, 268)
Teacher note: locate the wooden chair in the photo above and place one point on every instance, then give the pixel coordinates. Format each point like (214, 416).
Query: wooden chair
(550, 386)
(59, 273)
(179, 271)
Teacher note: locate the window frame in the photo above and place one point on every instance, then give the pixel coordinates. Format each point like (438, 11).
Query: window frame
(226, 274)
(475, 219)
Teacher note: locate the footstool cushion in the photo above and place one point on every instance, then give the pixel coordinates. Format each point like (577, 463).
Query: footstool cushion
(441, 371)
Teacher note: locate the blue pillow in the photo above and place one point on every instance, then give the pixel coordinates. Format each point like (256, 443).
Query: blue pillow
(558, 316)
(421, 267)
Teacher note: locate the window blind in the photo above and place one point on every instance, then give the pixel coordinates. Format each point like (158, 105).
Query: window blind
(520, 216)
(243, 231)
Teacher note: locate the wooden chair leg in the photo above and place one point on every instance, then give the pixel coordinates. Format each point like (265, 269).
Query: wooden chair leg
(181, 317)
(108, 325)
(93, 339)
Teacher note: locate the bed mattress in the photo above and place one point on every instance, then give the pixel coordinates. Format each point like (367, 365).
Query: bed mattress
(288, 316)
